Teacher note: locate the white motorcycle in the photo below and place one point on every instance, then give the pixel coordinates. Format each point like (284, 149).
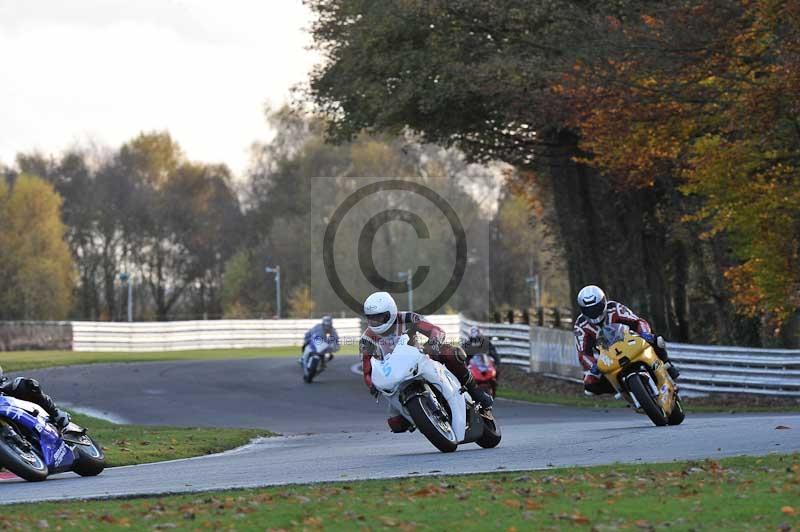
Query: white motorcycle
(431, 398)
(315, 357)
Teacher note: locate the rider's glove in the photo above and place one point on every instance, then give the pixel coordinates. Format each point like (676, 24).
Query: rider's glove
(434, 345)
(61, 419)
(373, 391)
(594, 371)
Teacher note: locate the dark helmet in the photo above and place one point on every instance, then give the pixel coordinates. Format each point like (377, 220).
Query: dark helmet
(327, 323)
(592, 302)
(475, 335)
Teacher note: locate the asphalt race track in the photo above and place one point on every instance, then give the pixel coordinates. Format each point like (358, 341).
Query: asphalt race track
(334, 431)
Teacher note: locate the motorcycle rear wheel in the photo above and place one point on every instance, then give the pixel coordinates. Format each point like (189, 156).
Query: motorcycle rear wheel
(91, 461)
(27, 464)
(642, 393)
(429, 427)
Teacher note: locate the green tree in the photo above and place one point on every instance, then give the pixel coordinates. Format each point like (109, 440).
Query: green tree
(36, 271)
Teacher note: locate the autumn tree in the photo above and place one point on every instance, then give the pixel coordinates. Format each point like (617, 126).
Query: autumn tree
(188, 223)
(147, 211)
(36, 271)
(301, 302)
(702, 94)
(617, 109)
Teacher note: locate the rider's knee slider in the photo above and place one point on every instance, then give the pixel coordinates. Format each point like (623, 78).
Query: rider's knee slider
(398, 424)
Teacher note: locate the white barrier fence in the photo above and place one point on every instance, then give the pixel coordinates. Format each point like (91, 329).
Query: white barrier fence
(539, 349)
(216, 334)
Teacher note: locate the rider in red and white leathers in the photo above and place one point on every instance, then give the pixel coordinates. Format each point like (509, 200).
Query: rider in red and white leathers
(387, 325)
(596, 311)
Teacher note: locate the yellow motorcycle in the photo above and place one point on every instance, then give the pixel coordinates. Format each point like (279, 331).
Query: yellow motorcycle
(632, 367)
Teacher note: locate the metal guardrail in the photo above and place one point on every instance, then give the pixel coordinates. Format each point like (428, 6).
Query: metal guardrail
(512, 341)
(737, 370)
(704, 368)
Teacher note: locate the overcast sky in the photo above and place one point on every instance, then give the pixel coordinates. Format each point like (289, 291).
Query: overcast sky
(78, 71)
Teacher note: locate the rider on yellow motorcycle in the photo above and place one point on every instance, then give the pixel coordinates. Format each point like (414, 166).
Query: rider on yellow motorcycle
(596, 311)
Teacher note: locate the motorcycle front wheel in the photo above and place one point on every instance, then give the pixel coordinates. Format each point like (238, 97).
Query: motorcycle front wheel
(642, 393)
(677, 415)
(91, 460)
(311, 369)
(432, 424)
(22, 460)
(491, 433)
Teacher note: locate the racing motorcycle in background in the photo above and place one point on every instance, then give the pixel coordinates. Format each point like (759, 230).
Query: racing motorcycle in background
(430, 397)
(32, 447)
(632, 367)
(315, 357)
(484, 372)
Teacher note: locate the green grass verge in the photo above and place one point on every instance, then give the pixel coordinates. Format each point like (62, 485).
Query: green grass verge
(140, 444)
(580, 401)
(732, 494)
(26, 360)
(606, 402)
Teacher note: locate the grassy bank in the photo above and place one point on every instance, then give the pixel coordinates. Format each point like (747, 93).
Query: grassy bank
(140, 444)
(732, 494)
(26, 360)
(519, 385)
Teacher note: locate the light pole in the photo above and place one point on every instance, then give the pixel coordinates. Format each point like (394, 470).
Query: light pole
(409, 288)
(277, 271)
(125, 278)
(533, 282)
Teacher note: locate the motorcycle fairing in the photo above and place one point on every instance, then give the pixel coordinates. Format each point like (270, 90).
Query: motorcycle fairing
(55, 452)
(631, 354)
(406, 363)
(315, 348)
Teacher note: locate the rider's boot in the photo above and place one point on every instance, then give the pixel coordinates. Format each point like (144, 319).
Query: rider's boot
(661, 350)
(477, 393)
(672, 370)
(399, 424)
(59, 418)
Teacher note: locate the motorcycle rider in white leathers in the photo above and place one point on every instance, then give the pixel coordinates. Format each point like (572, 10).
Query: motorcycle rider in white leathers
(385, 327)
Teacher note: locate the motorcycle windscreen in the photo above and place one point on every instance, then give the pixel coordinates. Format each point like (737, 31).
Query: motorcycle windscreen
(481, 362)
(611, 334)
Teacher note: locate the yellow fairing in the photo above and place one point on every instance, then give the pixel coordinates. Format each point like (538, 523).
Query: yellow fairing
(635, 349)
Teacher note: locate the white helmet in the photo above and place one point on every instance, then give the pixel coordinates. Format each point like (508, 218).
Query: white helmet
(380, 311)
(592, 302)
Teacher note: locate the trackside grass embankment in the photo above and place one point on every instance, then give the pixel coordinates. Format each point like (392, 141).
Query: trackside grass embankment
(141, 444)
(27, 360)
(521, 386)
(732, 494)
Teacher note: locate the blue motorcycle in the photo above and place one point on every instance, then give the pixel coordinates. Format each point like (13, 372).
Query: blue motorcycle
(32, 447)
(315, 357)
